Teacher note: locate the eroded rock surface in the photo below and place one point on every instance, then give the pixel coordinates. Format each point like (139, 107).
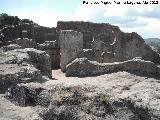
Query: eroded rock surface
(83, 67)
(91, 54)
(38, 58)
(12, 74)
(41, 60)
(136, 100)
(25, 94)
(23, 65)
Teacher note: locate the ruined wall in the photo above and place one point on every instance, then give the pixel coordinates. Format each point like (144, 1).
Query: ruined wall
(71, 43)
(108, 57)
(97, 55)
(55, 58)
(95, 36)
(8, 34)
(87, 40)
(42, 34)
(52, 48)
(26, 43)
(105, 32)
(82, 67)
(91, 54)
(132, 45)
(38, 33)
(94, 28)
(117, 45)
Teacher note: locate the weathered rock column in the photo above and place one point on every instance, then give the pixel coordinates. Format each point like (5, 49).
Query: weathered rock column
(71, 43)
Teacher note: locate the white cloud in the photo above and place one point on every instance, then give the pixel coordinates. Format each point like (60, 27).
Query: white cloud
(83, 12)
(150, 31)
(143, 19)
(43, 16)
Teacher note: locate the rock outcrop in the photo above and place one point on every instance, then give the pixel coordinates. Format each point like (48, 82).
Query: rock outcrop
(40, 59)
(12, 74)
(23, 65)
(83, 67)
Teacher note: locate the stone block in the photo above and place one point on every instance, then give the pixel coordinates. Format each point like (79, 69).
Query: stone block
(71, 43)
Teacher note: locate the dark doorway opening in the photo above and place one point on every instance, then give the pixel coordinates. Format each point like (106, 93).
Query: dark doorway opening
(87, 40)
(56, 59)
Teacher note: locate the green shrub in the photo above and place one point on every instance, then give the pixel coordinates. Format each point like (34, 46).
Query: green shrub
(104, 98)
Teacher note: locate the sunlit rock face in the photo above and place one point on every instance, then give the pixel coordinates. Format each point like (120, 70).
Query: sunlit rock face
(71, 43)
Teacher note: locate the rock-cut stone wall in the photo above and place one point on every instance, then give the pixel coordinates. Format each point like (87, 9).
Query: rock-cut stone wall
(82, 67)
(71, 43)
(114, 44)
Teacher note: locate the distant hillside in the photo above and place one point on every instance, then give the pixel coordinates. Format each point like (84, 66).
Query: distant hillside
(155, 42)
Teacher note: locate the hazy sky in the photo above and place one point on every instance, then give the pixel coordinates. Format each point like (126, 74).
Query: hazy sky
(143, 19)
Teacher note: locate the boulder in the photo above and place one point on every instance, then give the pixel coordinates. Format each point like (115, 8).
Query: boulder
(82, 67)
